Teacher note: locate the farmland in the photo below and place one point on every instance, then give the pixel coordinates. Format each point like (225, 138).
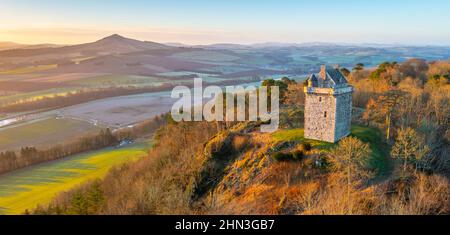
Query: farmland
(29, 187)
(83, 119)
(123, 110)
(29, 69)
(138, 64)
(117, 80)
(50, 131)
(35, 95)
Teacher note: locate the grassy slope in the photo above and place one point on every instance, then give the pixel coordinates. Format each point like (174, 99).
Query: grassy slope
(380, 150)
(298, 135)
(26, 188)
(379, 159)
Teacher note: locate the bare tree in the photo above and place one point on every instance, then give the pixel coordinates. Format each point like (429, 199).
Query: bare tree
(351, 157)
(409, 147)
(295, 95)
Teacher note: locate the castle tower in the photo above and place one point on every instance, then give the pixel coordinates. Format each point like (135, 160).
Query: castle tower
(328, 106)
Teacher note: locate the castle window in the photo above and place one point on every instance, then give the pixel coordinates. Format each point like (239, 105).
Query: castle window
(325, 114)
(320, 99)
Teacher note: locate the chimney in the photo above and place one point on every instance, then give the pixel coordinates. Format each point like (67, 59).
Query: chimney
(323, 72)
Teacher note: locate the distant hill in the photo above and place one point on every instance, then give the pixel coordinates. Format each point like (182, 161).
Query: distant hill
(177, 44)
(118, 44)
(116, 54)
(113, 54)
(108, 45)
(12, 45)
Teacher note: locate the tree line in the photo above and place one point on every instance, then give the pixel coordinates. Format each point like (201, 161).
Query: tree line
(412, 108)
(86, 95)
(27, 156)
(78, 97)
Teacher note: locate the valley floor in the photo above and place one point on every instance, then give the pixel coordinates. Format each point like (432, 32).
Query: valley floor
(37, 185)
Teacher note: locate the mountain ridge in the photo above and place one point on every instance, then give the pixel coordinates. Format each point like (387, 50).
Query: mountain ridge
(116, 43)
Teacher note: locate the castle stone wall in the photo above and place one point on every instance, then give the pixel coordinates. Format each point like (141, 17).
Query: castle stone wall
(343, 116)
(319, 126)
(336, 124)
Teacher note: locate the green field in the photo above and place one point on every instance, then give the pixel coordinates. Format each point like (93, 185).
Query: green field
(298, 136)
(206, 56)
(36, 95)
(206, 77)
(372, 136)
(29, 187)
(118, 80)
(50, 130)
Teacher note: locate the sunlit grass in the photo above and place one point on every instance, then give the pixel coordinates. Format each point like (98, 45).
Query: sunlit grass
(372, 136)
(26, 188)
(298, 135)
(380, 150)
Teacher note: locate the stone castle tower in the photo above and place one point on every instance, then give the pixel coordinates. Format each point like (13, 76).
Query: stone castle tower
(328, 106)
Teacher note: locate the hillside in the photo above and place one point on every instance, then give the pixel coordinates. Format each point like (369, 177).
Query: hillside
(116, 54)
(235, 172)
(233, 168)
(257, 183)
(10, 46)
(108, 45)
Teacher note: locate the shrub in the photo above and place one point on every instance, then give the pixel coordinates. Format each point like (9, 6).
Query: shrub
(305, 147)
(281, 157)
(240, 142)
(297, 154)
(290, 156)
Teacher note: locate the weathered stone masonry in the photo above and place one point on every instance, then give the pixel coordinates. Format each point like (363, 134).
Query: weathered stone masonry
(328, 106)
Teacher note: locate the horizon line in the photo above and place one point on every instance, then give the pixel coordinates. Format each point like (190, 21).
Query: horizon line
(292, 43)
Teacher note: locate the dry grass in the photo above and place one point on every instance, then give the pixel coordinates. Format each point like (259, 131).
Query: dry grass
(240, 142)
(233, 173)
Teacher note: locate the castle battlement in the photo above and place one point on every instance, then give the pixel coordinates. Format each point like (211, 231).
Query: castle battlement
(329, 91)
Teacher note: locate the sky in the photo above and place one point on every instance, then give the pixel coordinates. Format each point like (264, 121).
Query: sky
(412, 22)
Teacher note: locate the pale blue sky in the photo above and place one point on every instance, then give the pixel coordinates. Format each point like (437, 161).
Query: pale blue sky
(233, 21)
